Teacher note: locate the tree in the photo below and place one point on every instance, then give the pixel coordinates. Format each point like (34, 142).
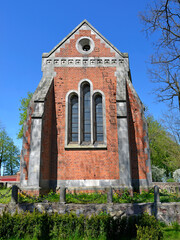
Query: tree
(23, 112)
(3, 147)
(9, 154)
(162, 18)
(157, 173)
(176, 175)
(171, 122)
(165, 153)
(11, 164)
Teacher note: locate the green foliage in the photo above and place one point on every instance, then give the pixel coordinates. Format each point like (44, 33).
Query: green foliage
(50, 197)
(9, 154)
(5, 195)
(176, 175)
(124, 197)
(157, 173)
(175, 226)
(23, 112)
(43, 226)
(149, 228)
(68, 226)
(170, 180)
(86, 198)
(165, 153)
(168, 197)
(172, 232)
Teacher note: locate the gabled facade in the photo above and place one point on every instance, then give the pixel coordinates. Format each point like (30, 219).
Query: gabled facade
(85, 126)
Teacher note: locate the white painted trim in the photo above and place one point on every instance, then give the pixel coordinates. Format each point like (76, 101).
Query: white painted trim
(104, 114)
(81, 83)
(78, 45)
(80, 122)
(93, 183)
(68, 95)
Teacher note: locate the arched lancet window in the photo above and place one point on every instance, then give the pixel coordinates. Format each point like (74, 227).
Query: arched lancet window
(86, 113)
(73, 130)
(98, 118)
(85, 117)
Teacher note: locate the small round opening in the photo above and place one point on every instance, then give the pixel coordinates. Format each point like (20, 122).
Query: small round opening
(86, 48)
(85, 45)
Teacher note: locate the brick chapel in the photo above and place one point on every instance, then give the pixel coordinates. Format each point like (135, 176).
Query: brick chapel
(85, 125)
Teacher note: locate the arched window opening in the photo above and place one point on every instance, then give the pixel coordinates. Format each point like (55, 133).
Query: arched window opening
(85, 117)
(73, 136)
(86, 113)
(98, 119)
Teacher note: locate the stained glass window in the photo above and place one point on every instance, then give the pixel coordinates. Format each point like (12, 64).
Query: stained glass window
(86, 114)
(98, 119)
(86, 117)
(74, 119)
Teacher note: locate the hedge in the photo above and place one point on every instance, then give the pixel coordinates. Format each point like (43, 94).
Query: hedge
(70, 226)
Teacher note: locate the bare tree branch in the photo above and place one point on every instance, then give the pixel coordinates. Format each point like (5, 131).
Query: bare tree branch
(163, 17)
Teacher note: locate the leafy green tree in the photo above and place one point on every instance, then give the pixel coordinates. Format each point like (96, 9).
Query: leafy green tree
(3, 147)
(165, 153)
(9, 154)
(11, 164)
(23, 112)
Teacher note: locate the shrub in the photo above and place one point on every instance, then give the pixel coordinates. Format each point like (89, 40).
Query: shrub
(149, 228)
(157, 173)
(176, 175)
(170, 180)
(67, 226)
(176, 226)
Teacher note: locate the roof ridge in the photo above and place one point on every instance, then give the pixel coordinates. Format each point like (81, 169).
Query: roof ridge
(45, 55)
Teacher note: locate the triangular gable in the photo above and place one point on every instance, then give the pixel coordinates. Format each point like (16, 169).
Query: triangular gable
(84, 22)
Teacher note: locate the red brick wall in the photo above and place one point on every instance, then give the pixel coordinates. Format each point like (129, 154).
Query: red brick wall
(136, 138)
(87, 164)
(26, 143)
(10, 178)
(65, 164)
(83, 164)
(70, 48)
(47, 135)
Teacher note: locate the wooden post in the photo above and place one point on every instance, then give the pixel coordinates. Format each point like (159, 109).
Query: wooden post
(14, 194)
(177, 191)
(62, 195)
(156, 201)
(109, 195)
(156, 194)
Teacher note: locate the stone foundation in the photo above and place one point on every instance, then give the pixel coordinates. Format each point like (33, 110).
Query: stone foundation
(166, 212)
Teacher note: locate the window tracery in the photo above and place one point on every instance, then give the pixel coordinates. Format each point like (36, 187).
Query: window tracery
(86, 124)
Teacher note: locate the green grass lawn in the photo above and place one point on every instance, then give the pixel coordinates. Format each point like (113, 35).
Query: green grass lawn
(171, 234)
(95, 197)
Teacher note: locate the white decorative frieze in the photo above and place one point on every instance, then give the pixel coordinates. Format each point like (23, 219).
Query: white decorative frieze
(70, 61)
(106, 61)
(56, 61)
(79, 62)
(92, 61)
(49, 61)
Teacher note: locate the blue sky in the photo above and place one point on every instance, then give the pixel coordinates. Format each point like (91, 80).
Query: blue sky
(29, 28)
